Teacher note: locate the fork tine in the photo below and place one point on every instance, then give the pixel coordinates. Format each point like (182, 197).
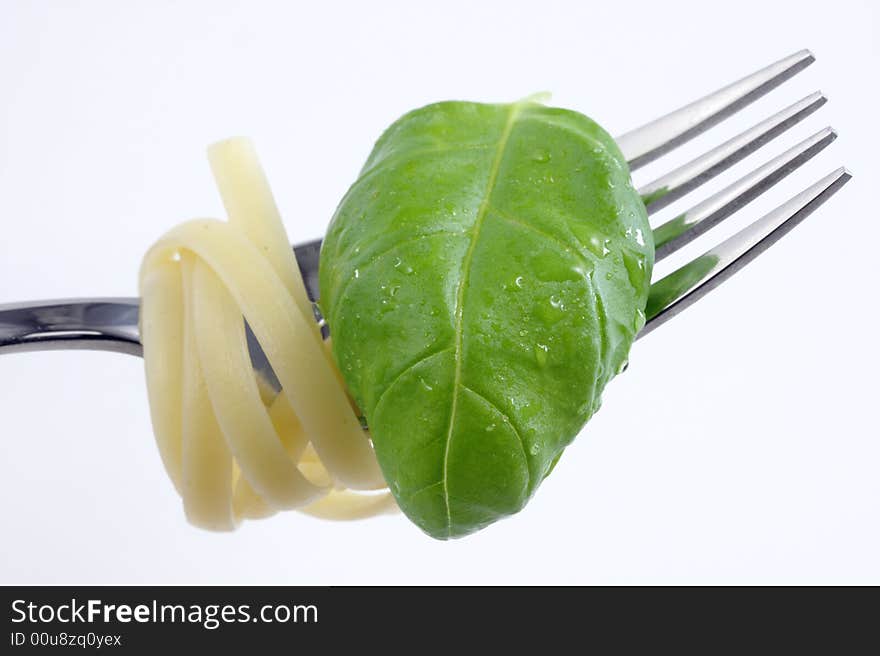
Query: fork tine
(677, 232)
(681, 288)
(686, 178)
(647, 143)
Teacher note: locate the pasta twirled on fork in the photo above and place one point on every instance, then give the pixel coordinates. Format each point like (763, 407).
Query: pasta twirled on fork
(232, 446)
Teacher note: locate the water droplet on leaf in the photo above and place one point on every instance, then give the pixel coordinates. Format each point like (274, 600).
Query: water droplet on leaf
(541, 351)
(541, 155)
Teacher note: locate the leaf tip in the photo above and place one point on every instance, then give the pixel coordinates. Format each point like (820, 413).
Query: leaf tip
(540, 97)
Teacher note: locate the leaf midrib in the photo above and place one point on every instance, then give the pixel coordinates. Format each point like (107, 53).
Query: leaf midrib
(482, 210)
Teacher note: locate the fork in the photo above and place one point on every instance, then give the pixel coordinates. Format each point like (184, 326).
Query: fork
(111, 324)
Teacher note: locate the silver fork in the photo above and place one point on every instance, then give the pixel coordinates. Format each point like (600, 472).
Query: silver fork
(111, 324)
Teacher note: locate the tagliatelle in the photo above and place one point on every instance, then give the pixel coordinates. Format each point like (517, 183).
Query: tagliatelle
(233, 447)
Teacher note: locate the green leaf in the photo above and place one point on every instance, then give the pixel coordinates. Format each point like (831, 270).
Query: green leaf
(483, 280)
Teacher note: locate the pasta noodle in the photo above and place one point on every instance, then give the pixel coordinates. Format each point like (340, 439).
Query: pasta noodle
(233, 447)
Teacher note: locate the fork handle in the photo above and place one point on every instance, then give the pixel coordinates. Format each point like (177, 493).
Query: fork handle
(102, 324)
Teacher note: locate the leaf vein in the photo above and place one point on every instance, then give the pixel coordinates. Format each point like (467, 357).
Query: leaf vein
(340, 293)
(410, 495)
(506, 216)
(405, 371)
(583, 135)
(494, 406)
(396, 159)
(459, 296)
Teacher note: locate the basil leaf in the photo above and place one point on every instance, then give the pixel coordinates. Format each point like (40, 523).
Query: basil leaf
(483, 280)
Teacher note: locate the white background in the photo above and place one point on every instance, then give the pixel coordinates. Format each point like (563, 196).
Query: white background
(741, 446)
